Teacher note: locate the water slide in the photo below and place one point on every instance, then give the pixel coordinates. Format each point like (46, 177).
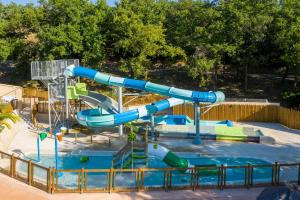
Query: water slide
(167, 156)
(93, 99)
(95, 118)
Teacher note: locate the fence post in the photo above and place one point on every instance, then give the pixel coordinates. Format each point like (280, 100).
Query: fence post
(49, 180)
(278, 173)
(192, 185)
(220, 177)
(12, 165)
(29, 172)
(224, 177)
(138, 178)
(247, 176)
(299, 174)
(166, 180)
(275, 173)
(110, 179)
(81, 180)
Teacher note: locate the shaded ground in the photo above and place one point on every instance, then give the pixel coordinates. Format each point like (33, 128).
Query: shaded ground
(260, 86)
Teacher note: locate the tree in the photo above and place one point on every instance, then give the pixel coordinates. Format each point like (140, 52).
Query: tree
(197, 27)
(287, 36)
(73, 30)
(138, 36)
(246, 26)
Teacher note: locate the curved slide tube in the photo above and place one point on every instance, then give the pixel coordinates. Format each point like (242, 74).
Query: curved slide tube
(167, 156)
(95, 117)
(195, 96)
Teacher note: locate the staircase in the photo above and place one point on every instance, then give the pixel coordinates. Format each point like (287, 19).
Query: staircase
(131, 156)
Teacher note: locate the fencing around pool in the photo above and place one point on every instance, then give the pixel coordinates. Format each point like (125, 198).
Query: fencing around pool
(117, 180)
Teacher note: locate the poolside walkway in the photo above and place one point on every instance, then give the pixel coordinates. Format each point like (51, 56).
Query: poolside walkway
(16, 190)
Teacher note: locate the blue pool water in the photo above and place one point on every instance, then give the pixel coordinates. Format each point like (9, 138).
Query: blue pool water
(70, 180)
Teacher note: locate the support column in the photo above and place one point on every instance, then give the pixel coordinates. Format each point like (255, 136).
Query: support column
(38, 149)
(120, 108)
(197, 139)
(66, 102)
(56, 151)
(49, 110)
(152, 127)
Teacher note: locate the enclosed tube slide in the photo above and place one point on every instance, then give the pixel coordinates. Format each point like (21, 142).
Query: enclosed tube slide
(95, 118)
(167, 156)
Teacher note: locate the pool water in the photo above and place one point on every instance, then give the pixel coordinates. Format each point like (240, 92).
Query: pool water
(95, 179)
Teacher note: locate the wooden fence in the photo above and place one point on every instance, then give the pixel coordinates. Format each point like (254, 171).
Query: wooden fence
(235, 112)
(108, 180)
(245, 112)
(42, 95)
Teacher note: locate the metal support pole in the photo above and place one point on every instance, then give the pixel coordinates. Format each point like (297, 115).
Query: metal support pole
(49, 109)
(66, 102)
(152, 126)
(38, 149)
(56, 152)
(197, 139)
(120, 108)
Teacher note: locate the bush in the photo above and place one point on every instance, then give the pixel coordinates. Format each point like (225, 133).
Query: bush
(6, 108)
(292, 99)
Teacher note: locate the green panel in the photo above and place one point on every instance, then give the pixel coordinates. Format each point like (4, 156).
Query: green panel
(229, 131)
(232, 138)
(81, 89)
(175, 161)
(207, 171)
(72, 93)
(102, 78)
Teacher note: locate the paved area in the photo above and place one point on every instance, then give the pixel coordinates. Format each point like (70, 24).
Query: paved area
(286, 149)
(12, 189)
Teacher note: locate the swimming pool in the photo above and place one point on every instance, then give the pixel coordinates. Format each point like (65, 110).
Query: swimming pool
(151, 178)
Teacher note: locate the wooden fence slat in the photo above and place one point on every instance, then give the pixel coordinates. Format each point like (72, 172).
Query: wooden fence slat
(245, 112)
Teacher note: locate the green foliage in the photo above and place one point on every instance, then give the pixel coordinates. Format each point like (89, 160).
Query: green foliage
(292, 99)
(287, 35)
(132, 132)
(139, 36)
(4, 116)
(198, 36)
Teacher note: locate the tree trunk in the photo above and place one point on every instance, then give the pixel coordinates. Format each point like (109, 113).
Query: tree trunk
(284, 76)
(296, 78)
(246, 78)
(215, 79)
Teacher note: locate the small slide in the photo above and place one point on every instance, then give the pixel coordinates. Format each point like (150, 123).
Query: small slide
(93, 99)
(167, 156)
(96, 118)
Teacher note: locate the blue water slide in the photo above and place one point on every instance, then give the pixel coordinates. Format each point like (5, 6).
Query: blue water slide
(94, 118)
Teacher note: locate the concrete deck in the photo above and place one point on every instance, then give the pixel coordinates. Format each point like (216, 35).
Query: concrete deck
(286, 149)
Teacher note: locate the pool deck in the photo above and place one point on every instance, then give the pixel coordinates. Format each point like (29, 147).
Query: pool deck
(286, 149)
(16, 190)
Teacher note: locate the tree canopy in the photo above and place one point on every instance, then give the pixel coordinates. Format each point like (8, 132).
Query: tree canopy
(198, 37)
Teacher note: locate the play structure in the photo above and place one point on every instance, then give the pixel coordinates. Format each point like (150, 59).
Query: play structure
(62, 78)
(95, 117)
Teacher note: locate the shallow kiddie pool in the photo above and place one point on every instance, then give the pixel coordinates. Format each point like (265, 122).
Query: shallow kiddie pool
(151, 178)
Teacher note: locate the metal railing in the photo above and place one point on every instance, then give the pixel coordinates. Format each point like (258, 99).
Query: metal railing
(26, 171)
(49, 70)
(144, 179)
